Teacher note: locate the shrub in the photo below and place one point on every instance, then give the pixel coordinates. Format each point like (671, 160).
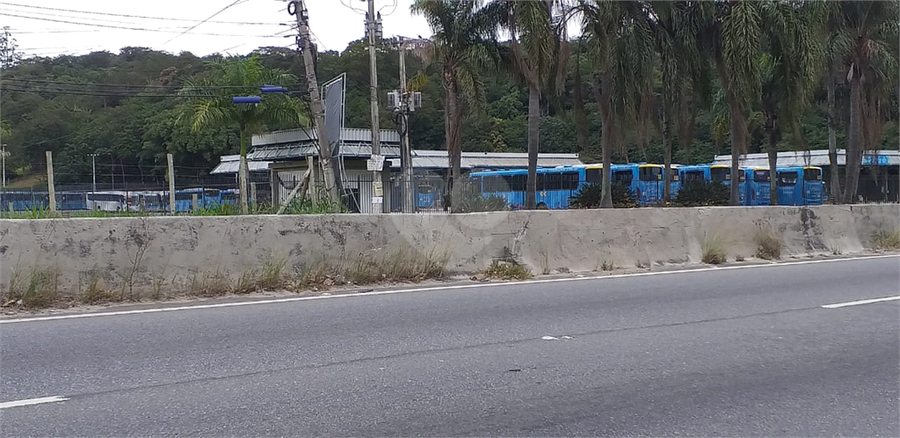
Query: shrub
(714, 251)
(768, 243)
(590, 196)
(885, 240)
(507, 271)
(698, 194)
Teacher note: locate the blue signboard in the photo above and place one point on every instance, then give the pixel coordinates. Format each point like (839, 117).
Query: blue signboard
(880, 160)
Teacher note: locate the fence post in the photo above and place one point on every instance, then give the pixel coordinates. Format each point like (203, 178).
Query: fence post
(171, 183)
(193, 202)
(253, 193)
(50, 186)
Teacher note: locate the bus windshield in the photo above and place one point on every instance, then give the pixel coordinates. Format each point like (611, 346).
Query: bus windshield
(761, 176)
(812, 174)
(651, 174)
(720, 174)
(787, 178)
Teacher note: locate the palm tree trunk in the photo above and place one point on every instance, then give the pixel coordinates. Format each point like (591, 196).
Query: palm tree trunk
(773, 163)
(242, 174)
(581, 123)
(454, 142)
(607, 134)
(738, 130)
(667, 166)
(534, 132)
(854, 143)
(834, 185)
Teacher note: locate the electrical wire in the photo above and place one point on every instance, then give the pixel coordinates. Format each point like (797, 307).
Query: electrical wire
(133, 16)
(235, 2)
(140, 29)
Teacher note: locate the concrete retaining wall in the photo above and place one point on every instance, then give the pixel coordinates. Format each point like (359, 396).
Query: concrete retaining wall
(143, 250)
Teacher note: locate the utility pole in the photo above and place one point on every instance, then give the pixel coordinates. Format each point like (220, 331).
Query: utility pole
(406, 168)
(94, 172)
(373, 29)
(298, 9)
(51, 187)
(4, 153)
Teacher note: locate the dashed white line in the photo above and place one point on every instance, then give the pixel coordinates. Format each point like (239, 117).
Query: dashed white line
(425, 289)
(860, 302)
(31, 401)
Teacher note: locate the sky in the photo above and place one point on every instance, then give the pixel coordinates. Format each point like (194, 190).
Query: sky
(74, 27)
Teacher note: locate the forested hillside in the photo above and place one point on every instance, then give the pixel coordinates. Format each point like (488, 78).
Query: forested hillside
(124, 108)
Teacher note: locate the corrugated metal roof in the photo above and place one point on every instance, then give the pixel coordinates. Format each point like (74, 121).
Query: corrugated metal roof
(812, 158)
(488, 160)
(231, 164)
(304, 149)
(349, 135)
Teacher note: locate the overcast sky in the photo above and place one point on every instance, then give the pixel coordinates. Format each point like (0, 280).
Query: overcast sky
(77, 27)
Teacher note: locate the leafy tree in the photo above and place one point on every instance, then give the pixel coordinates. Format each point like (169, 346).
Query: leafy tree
(235, 77)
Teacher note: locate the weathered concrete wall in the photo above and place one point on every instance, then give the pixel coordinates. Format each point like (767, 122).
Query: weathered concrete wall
(177, 249)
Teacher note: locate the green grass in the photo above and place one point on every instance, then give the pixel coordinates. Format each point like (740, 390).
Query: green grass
(714, 250)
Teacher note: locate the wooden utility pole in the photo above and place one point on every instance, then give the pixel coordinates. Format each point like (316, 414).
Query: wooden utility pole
(50, 186)
(297, 8)
(372, 28)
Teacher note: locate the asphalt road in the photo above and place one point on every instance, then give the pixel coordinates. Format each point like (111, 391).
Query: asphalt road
(726, 352)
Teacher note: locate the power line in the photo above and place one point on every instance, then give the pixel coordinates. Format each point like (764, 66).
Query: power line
(133, 16)
(204, 20)
(109, 26)
(198, 87)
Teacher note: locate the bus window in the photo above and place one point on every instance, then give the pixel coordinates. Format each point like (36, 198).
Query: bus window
(787, 178)
(593, 176)
(721, 174)
(761, 176)
(622, 177)
(514, 183)
(569, 181)
(692, 176)
(812, 174)
(741, 176)
(650, 174)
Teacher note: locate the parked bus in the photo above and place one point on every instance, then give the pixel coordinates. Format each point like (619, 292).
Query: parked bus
(720, 173)
(799, 185)
(758, 186)
(107, 201)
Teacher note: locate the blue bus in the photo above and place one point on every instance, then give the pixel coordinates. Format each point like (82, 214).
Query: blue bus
(800, 185)
(645, 180)
(24, 201)
(555, 185)
(720, 173)
(758, 183)
(184, 199)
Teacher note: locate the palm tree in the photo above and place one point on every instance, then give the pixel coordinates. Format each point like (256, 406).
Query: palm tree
(539, 55)
(789, 72)
(682, 75)
(621, 41)
(730, 36)
(864, 39)
(226, 78)
(463, 44)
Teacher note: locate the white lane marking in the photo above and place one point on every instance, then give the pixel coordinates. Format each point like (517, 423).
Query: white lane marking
(31, 401)
(549, 338)
(860, 302)
(426, 289)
